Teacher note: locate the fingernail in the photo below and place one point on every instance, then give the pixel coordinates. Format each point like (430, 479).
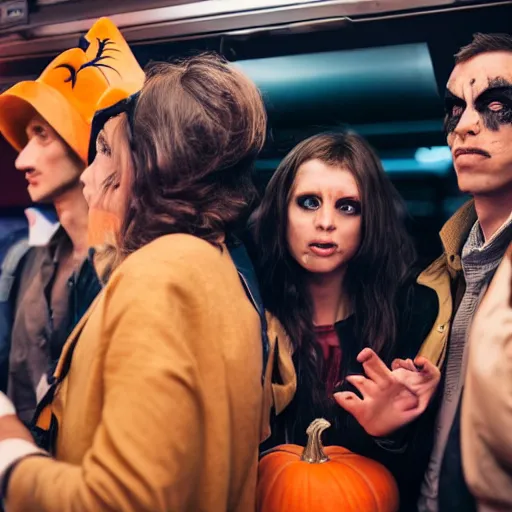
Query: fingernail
(418, 366)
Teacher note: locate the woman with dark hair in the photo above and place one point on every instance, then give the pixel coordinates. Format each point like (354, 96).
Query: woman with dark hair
(157, 403)
(336, 272)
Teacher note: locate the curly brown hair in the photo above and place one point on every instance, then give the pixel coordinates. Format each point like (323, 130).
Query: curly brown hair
(197, 129)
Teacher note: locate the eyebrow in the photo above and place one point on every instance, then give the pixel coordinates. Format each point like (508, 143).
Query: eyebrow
(498, 82)
(495, 83)
(450, 96)
(313, 193)
(351, 198)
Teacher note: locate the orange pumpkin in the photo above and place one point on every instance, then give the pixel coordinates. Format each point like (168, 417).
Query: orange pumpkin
(292, 478)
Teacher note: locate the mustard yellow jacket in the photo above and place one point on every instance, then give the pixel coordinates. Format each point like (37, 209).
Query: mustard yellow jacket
(161, 409)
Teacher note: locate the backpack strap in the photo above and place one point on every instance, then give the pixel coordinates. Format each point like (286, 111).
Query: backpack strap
(247, 275)
(9, 271)
(9, 267)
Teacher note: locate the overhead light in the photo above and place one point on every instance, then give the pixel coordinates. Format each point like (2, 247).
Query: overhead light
(433, 155)
(171, 13)
(256, 4)
(394, 166)
(51, 2)
(411, 165)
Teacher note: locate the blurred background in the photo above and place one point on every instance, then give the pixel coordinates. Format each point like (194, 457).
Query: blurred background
(379, 67)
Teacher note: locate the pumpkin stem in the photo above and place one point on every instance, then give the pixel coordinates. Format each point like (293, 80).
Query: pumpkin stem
(314, 453)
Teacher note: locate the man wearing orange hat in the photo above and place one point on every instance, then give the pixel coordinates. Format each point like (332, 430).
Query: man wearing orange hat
(49, 122)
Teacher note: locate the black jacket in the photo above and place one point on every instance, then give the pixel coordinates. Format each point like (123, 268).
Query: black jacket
(405, 453)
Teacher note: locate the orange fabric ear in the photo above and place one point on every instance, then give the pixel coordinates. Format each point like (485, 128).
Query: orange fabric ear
(103, 227)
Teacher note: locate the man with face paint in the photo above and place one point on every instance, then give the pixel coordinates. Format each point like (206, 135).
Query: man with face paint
(479, 132)
(49, 122)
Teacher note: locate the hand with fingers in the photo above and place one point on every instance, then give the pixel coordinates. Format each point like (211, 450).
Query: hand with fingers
(391, 398)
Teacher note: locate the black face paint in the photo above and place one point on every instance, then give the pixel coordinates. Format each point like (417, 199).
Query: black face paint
(499, 96)
(498, 93)
(454, 108)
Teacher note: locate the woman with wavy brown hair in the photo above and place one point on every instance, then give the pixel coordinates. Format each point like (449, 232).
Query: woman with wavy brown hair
(336, 271)
(157, 402)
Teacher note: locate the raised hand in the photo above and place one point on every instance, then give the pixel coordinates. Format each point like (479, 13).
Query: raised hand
(391, 398)
(420, 377)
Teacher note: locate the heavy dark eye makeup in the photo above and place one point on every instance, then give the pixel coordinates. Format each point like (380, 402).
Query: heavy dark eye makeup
(308, 202)
(454, 108)
(347, 205)
(495, 104)
(350, 206)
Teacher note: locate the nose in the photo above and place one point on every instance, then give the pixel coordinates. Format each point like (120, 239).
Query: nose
(469, 123)
(85, 179)
(26, 160)
(325, 219)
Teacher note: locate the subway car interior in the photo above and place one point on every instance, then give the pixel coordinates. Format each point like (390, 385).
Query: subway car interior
(377, 67)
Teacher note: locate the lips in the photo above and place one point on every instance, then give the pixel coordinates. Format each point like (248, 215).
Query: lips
(31, 178)
(323, 248)
(87, 196)
(471, 151)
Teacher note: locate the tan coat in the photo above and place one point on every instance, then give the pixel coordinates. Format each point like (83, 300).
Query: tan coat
(446, 278)
(162, 407)
(486, 422)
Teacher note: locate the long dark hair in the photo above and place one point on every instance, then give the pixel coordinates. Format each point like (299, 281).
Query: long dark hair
(374, 276)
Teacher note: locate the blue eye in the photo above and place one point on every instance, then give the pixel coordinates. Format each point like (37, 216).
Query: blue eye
(349, 207)
(308, 202)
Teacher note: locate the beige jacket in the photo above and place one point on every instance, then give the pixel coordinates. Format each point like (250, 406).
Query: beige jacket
(446, 278)
(486, 422)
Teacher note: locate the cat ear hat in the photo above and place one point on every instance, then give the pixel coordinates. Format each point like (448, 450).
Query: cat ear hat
(101, 72)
